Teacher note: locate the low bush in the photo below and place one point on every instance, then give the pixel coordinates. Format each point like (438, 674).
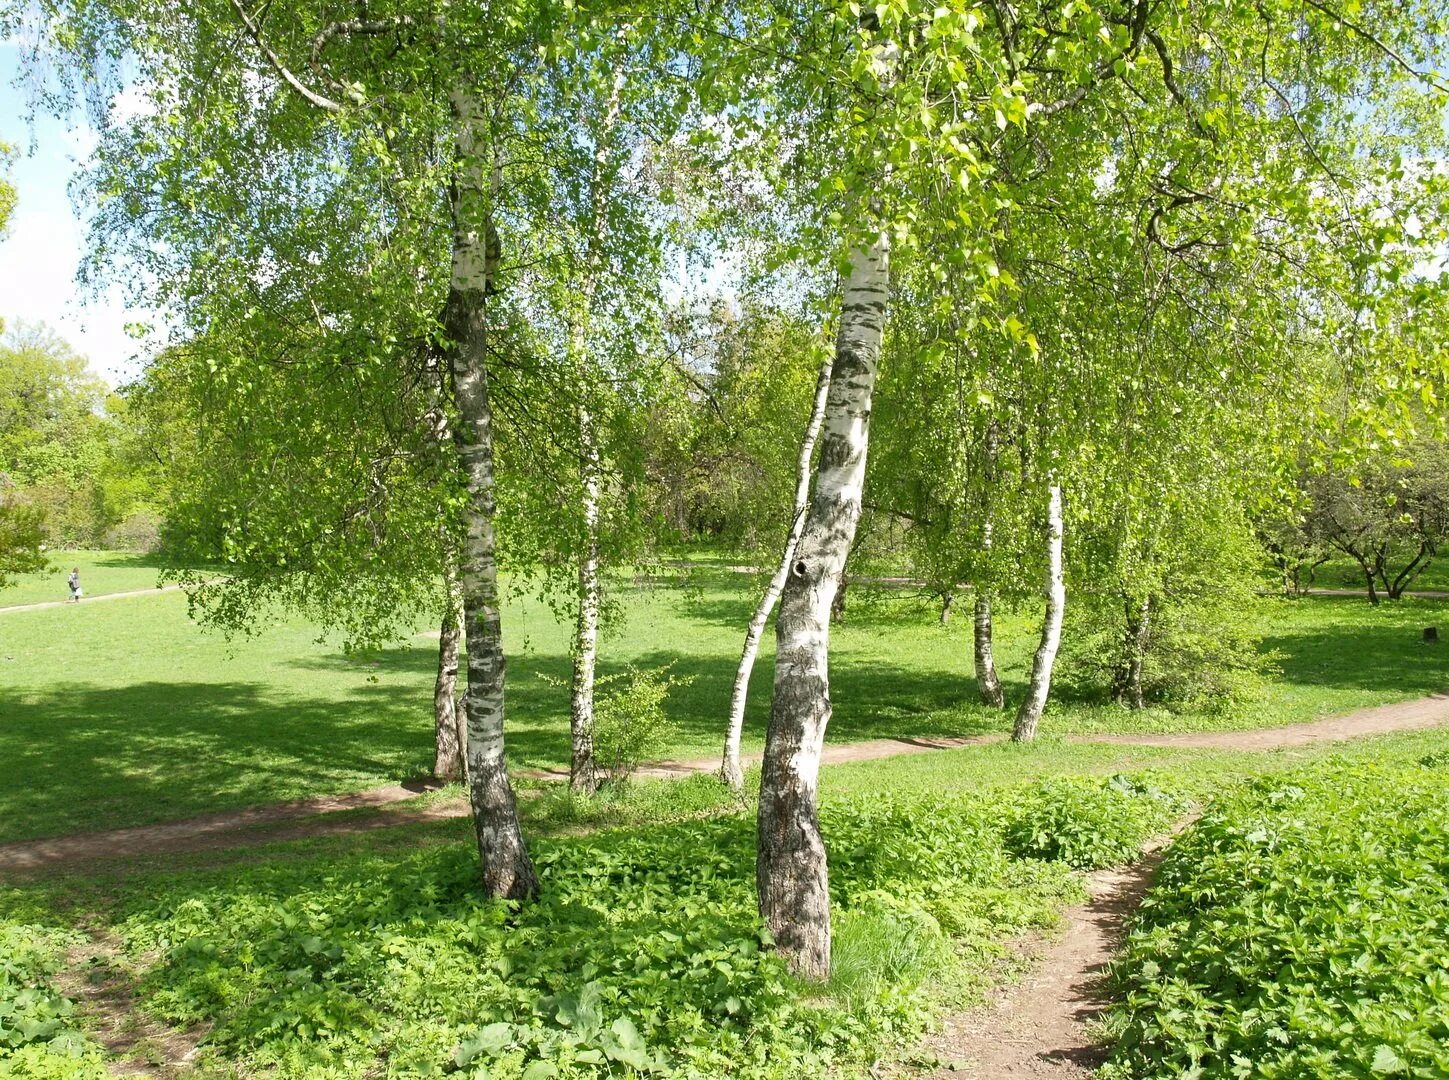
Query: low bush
(1297, 931)
(39, 1034)
(644, 953)
(1088, 825)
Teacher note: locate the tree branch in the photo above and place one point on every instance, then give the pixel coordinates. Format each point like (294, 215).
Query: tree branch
(309, 95)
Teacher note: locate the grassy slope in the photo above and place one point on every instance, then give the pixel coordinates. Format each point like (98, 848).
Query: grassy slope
(125, 713)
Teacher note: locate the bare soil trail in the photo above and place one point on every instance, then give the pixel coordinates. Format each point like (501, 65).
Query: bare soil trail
(1414, 715)
(88, 600)
(95, 978)
(1041, 1027)
(314, 817)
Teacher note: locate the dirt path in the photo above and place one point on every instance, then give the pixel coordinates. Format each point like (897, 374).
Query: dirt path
(86, 601)
(1041, 1027)
(1425, 712)
(95, 978)
(311, 817)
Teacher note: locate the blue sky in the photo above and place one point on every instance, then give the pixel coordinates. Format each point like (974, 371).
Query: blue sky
(39, 253)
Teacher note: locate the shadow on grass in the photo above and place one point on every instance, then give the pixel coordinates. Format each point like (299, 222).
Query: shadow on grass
(1387, 654)
(83, 757)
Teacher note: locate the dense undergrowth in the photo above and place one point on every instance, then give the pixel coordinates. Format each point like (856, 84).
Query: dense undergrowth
(644, 955)
(1299, 930)
(40, 1036)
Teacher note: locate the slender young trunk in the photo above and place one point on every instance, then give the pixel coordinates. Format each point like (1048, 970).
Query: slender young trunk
(837, 605)
(583, 769)
(790, 871)
(507, 871)
(1029, 715)
(448, 742)
(948, 601)
(987, 682)
(730, 767)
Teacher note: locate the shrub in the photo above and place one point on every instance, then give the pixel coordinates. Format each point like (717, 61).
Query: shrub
(630, 724)
(1297, 931)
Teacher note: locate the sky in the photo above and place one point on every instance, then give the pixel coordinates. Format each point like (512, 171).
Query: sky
(40, 251)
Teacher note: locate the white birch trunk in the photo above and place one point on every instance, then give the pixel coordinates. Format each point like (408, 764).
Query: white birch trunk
(790, 871)
(730, 767)
(507, 870)
(988, 684)
(1029, 715)
(583, 769)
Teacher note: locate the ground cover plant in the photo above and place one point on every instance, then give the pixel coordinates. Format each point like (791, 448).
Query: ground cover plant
(41, 1036)
(1298, 930)
(644, 952)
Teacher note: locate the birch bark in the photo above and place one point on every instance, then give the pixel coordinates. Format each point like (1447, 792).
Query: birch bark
(730, 767)
(790, 870)
(507, 870)
(583, 769)
(1029, 715)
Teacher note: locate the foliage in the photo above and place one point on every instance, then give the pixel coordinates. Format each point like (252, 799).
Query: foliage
(40, 1035)
(22, 536)
(1198, 646)
(1086, 824)
(1297, 930)
(62, 438)
(1389, 513)
(631, 726)
(644, 951)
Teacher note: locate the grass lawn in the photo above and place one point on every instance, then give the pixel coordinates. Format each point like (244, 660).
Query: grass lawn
(102, 572)
(1344, 573)
(125, 713)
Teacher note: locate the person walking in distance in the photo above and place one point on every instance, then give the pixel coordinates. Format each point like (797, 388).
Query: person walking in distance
(75, 586)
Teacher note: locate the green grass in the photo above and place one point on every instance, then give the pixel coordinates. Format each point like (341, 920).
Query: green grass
(102, 573)
(125, 713)
(1344, 573)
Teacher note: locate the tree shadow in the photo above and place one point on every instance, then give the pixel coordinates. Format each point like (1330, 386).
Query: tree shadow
(1387, 655)
(86, 757)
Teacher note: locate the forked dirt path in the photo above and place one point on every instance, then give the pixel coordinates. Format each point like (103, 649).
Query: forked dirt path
(1041, 1027)
(88, 600)
(314, 817)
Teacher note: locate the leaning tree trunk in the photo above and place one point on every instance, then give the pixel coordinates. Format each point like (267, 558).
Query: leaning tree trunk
(1029, 715)
(730, 767)
(507, 870)
(790, 871)
(450, 733)
(987, 681)
(584, 772)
